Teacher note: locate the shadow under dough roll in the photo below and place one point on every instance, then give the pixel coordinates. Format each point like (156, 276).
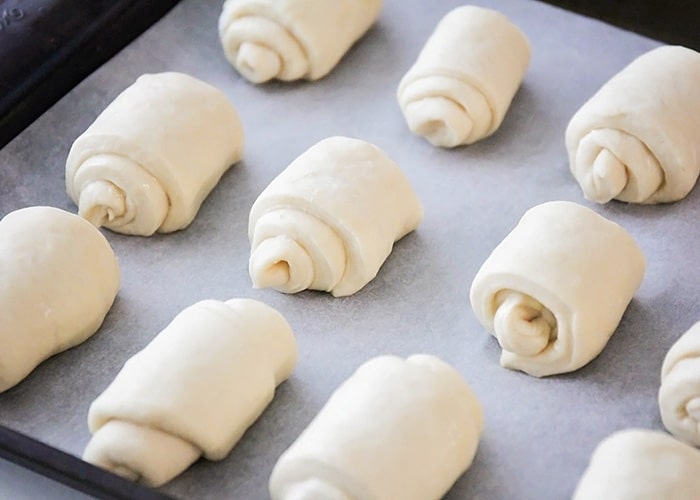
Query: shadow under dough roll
(154, 154)
(679, 393)
(59, 280)
(638, 464)
(638, 138)
(193, 390)
(555, 289)
(292, 39)
(330, 219)
(461, 86)
(396, 429)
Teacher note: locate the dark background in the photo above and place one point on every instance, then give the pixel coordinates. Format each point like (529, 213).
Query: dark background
(672, 21)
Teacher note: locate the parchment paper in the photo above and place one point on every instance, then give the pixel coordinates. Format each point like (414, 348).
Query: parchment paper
(539, 433)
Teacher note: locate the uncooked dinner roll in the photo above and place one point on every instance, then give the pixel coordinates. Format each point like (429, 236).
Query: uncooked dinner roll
(194, 390)
(636, 139)
(292, 39)
(461, 86)
(679, 394)
(152, 156)
(396, 429)
(330, 219)
(638, 464)
(554, 290)
(59, 278)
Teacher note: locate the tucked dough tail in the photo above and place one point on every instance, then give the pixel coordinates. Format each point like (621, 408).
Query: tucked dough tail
(397, 428)
(638, 464)
(554, 290)
(330, 219)
(193, 391)
(153, 155)
(461, 86)
(636, 139)
(679, 393)
(292, 39)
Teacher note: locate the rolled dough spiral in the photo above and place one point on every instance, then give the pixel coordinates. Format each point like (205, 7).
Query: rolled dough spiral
(461, 86)
(153, 155)
(637, 139)
(636, 464)
(397, 428)
(554, 290)
(59, 280)
(194, 390)
(292, 39)
(330, 219)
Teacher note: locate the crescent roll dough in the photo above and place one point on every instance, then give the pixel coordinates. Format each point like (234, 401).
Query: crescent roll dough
(461, 86)
(640, 464)
(636, 139)
(153, 155)
(395, 429)
(59, 280)
(554, 290)
(194, 390)
(292, 39)
(330, 219)
(679, 394)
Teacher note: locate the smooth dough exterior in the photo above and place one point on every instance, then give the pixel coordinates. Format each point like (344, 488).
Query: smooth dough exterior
(59, 280)
(154, 154)
(636, 464)
(397, 428)
(192, 391)
(292, 39)
(330, 219)
(555, 289)
(679, 393)
(637, 138)
(462, 84)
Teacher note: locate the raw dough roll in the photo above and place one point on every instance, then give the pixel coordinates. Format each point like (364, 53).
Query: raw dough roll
(554, 290)
(637, 464)
(395, 429)
(153, 155)
(330, 219)
(461, 86)
(679, 394)
(59, 280)
(194, 390)
(292, 39)
(636, 139)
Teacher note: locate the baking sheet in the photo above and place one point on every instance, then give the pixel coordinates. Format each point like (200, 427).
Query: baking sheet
(539, 433)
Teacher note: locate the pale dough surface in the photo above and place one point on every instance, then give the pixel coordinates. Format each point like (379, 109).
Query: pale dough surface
(153, 155)
(459, 89)
(330, 219)
(638, 464)
(679, 393)
(637, 139)
(292, 39)
(397, 428)
(59, 280)
(554, 290)
(193, 390)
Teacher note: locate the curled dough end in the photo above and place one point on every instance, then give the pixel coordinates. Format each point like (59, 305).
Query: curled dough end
(679, 392)
(146, 455)
(440, 120)
(281, 263)
(257, 63)
(523, 325)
